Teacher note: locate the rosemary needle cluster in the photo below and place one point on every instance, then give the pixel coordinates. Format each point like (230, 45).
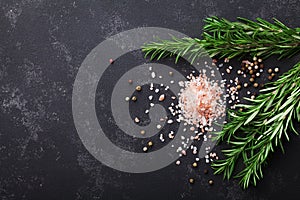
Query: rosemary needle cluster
(231, 39)
(254, 132)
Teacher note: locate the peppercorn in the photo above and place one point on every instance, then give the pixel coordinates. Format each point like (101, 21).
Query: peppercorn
(150, 143)
(259, 60)
(251, 79)
(255, 84)
(210, 182)
(138, 88)
(245, 85)
(272, 74)
(130, 81)
(251, 72)
(238, 87)
(191, 180)
(276, 69)
(205, 171)
(133, 98)
(270, 71)
(194, 164)
(270, 77)
(261, 66)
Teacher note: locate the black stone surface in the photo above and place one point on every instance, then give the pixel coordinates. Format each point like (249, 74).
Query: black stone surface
(42, 45)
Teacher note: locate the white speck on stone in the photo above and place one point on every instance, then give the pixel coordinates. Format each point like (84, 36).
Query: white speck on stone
(161, 137)
(170, 121)
(153, 75)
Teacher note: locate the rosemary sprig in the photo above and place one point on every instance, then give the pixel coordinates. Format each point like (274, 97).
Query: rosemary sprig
(254, 132)
(231, 39)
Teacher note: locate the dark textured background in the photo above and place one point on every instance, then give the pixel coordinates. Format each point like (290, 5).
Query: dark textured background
(42, 45)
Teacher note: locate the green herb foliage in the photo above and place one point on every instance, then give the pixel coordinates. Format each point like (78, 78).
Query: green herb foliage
(231, 39)
(254, 132)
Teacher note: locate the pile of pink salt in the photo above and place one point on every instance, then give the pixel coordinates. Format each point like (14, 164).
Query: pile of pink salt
(200, 101)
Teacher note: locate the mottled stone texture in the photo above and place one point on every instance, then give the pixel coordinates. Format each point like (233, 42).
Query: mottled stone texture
(42, 45)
